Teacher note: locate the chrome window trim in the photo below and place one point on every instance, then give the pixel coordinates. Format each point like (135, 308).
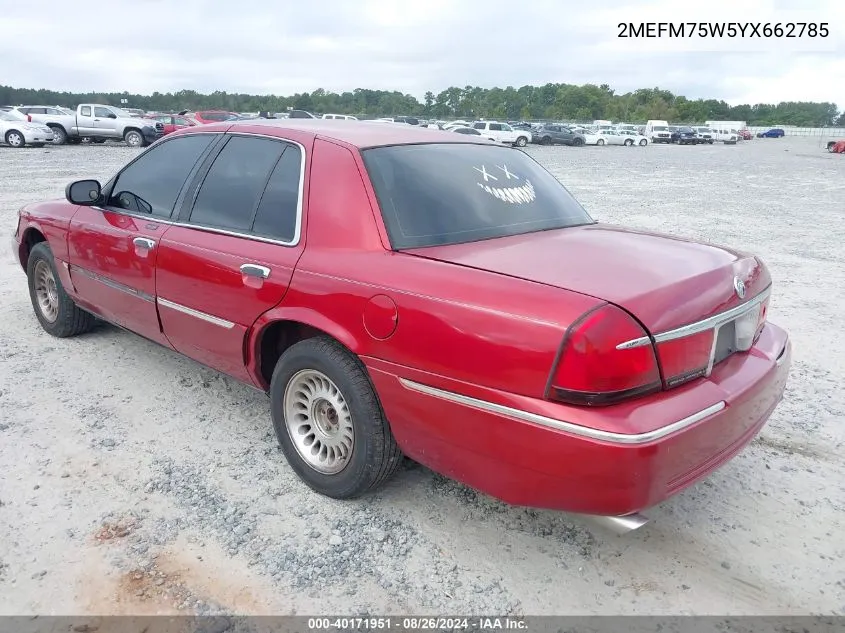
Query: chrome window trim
(209, 318)
(709, 323)
(297, 235)
(560, 425)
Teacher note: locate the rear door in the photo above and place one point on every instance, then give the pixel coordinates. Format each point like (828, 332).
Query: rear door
(232, 256)
(113, 248)
(85, 120)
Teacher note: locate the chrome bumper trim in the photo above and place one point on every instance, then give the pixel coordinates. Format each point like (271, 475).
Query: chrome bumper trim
(560, 425)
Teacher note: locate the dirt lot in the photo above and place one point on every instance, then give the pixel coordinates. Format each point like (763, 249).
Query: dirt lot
(134, 481)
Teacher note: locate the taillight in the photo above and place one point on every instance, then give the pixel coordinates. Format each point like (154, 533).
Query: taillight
(593, 371)
(29, 118)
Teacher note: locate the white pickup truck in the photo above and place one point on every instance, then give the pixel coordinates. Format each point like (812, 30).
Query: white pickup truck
(503, 133)
(93, 121)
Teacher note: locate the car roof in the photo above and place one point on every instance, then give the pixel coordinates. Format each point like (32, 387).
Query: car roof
(360, 134)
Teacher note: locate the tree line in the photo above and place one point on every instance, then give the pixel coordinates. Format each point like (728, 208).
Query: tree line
(553, 101)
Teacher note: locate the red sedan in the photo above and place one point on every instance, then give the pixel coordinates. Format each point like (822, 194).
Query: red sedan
(398, 291)
(172, 122)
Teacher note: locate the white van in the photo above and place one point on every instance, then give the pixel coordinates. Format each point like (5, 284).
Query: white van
(345, 117)
(725, 135)
(658, 131)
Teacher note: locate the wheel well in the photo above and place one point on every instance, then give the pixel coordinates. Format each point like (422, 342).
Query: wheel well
(278, 337)
(131, 129)
(30, 238)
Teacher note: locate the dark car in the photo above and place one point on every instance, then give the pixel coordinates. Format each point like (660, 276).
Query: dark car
(301, 114)
(775, 132)
(557, 135)
(685, 136)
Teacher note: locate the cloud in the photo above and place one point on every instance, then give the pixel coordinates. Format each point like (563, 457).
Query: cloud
(142, 46)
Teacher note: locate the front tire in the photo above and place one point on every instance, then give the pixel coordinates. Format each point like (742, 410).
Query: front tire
(54, 309)
(59, 135)
(628, 142)
(578, 142)
(600, 141)
(133, 138)
(329, 421)
(643, 142)
(15, 139)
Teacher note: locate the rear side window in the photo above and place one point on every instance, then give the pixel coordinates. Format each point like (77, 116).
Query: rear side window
(151, 184)
(436, 194)
(276, 216)
(233, 186)
(85, 111)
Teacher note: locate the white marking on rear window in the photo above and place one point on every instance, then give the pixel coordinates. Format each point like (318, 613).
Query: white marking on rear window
(512, 195)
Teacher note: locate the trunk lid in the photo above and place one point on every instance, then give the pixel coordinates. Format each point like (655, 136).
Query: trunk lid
(664, 281)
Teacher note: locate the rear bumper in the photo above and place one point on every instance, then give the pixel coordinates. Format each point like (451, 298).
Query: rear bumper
(602, 461)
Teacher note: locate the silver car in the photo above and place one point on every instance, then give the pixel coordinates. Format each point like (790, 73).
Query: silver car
(17, 133)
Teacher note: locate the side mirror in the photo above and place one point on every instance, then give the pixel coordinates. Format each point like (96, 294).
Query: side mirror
(112, 115)
(83, 192)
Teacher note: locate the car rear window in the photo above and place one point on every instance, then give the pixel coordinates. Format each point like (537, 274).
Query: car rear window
(436, 194)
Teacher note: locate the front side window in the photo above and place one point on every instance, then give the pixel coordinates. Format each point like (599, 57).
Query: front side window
(103, 113)
(151, 184)
(436, 194)
(233, 186)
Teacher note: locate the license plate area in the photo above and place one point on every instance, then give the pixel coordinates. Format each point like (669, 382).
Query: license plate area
(725, 342)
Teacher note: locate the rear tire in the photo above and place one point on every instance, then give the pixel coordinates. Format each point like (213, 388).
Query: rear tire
(54, 309)
(546, 140)
(643, 142)
(628, 142)
(600, 141)
(329, 421)
(521, 141)
(578, 142)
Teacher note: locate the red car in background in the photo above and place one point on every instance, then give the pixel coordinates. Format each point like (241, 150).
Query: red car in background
(836, 147)
(745, 134)
(404, 291)
(211, 116)
(172, 122)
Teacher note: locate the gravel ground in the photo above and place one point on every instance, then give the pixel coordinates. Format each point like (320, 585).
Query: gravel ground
(133, 480)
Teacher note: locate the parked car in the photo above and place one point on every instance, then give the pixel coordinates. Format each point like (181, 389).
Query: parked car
(574, 354)
(503, 133)
(300, 114)
(471, 131)
(704, 134)
(557, 135)
(685, 136)
(745, 134)
(607, 137)
(631, 138)
(836, 147)
(97, 122)
(18, 133)
(775, 132)
(205, 117)
(172, 122)
(726, 136)
(344, 117)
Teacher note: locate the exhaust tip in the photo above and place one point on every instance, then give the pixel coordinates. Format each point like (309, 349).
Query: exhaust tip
(621, 524)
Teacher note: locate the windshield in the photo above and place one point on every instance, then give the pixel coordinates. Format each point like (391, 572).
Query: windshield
(121, 114)
(659, 128)
(437, 194)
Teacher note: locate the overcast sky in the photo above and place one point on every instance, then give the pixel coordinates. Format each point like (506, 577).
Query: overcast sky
(287, 46)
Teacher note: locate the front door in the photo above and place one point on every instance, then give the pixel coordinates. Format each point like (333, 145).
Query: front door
(113, 248)
(235, 258)
(105, 122)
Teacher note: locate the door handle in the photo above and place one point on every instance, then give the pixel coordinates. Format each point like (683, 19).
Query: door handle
(144, 242)
(254, 270)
